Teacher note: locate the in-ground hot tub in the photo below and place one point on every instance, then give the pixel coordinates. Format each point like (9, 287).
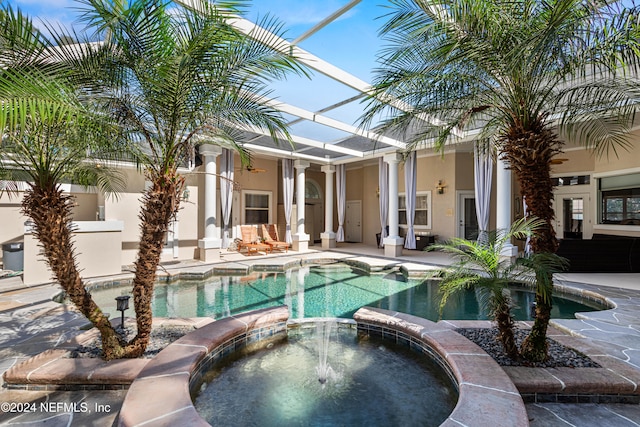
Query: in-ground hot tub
(322, 372)
(161, 393)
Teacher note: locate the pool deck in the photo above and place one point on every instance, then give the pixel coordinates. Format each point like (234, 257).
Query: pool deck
(31, 323)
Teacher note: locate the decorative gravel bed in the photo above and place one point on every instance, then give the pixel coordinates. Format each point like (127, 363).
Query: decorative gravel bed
(159, 339)
(486, 338)
(559, 355)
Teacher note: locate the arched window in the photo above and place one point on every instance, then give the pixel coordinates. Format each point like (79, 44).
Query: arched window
(312, 190)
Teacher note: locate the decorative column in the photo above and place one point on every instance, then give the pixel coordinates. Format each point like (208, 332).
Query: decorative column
(300, 239)
(211, 243)
(503, 202)
(393, 243)
(328, 237)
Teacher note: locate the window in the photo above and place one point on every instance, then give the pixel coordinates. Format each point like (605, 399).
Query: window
(620, 200)
(423, 210)
(621, 206)
(564, 181)
(311, 190)
(256, 207)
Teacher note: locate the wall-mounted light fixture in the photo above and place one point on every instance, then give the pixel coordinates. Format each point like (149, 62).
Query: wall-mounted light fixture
(185, 195)
(440, 187)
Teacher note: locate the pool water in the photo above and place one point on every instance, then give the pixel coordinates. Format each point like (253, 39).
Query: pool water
(330, 290)
(371, 382)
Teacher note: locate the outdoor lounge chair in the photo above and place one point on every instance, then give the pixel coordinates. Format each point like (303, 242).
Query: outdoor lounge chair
(270, 236)
(250, 240)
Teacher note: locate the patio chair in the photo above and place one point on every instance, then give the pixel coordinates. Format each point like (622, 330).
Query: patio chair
(270, 236)
(250, 240)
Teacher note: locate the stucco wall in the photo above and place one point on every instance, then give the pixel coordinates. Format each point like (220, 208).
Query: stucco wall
(126, 207)
(12, 228)
(98, 252)
(443, 205)
(188, 228)
(356, 188)
(464, 164)
(267, 180)
(85, 206)
(370, 205)
(355, 183)
(430, 169)
(577, 161)
(625, 159)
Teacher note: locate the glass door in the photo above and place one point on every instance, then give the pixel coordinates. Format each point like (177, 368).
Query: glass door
(467, 219)
(572, 218)
(572, 213)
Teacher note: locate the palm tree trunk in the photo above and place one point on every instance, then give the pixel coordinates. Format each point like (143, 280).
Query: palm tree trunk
(529, 154)
(535, 346)
(50, 211)
(160, 205)
(505, 331)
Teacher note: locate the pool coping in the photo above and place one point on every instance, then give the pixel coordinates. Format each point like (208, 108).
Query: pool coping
(161, 393)
(466, 361)
(53, 369)
(615, 381)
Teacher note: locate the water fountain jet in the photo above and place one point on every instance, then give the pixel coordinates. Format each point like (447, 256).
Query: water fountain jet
(323, 332)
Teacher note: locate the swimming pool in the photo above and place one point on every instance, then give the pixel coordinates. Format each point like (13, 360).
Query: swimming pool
(328, 290)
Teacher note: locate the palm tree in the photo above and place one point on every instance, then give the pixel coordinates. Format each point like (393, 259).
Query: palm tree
(171, 74)
(48, 135)
(481, 266)
(515, 70)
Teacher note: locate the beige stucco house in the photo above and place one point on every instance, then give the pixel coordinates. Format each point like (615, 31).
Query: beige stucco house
(107, 227)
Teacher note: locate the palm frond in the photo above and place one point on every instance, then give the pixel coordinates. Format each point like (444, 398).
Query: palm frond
(540, 268)
(176, 72)
(23, 45)
(482, 266)
(497, 64)
(47, 129)
(453, 284)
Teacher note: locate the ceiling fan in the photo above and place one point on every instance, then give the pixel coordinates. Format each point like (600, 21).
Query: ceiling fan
(252, 169)
(558, 161)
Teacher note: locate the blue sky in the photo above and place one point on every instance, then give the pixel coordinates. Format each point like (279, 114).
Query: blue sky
(351, 43)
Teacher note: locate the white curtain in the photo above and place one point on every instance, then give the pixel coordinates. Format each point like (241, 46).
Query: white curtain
(383, 186)
(483, 173)
(341, 192)
(287, 192)
(410, 174)
(226, 194)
